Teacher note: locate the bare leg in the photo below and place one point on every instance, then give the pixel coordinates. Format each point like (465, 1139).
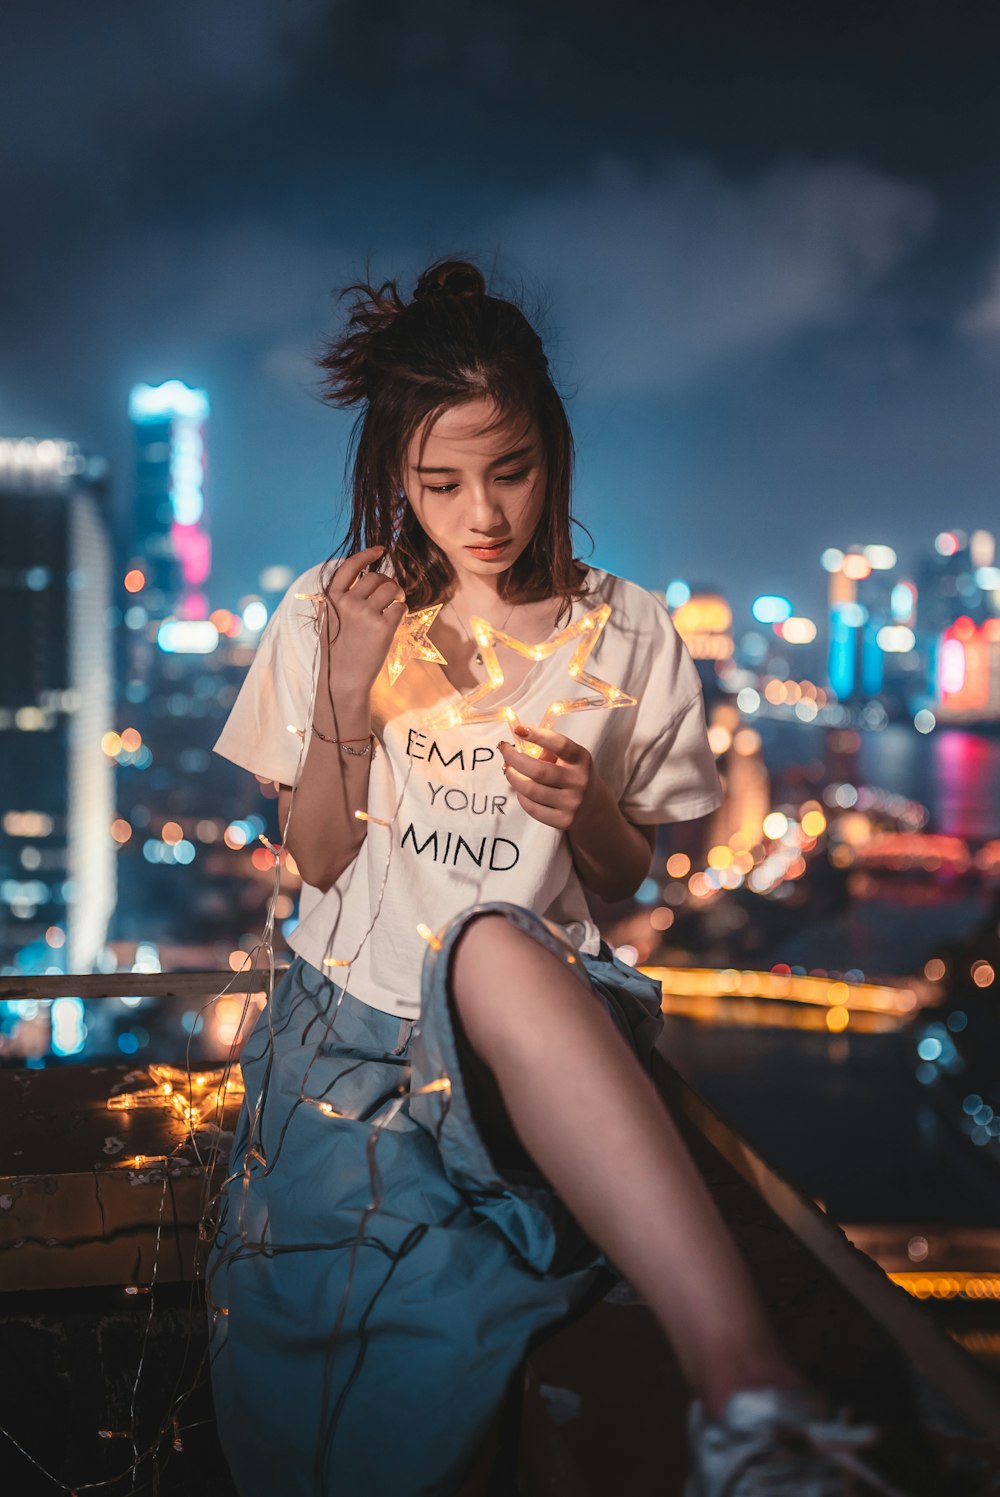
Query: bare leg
(590, 1117)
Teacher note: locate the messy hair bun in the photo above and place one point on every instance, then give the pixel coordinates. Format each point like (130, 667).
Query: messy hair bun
(403, 363)
(385, 334)
(450, 278)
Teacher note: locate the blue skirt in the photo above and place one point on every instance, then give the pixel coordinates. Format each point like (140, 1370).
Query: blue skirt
(375, 1278)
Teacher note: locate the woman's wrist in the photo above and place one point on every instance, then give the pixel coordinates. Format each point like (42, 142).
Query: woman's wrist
(343, 712)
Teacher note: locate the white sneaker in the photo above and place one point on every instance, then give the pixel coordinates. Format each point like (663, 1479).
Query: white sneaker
(775, 1442)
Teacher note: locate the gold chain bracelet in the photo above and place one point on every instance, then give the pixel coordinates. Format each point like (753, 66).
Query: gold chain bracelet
(345, 743)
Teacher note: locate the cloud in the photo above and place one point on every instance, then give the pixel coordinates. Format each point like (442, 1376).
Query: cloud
(237, 283)
(152, 72)
(660, 278)
(983, 319)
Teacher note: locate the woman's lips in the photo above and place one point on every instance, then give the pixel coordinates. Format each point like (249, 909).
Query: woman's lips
(489, 551)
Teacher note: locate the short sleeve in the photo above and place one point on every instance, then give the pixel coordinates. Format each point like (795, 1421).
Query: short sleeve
(264, 731)
(670, 768)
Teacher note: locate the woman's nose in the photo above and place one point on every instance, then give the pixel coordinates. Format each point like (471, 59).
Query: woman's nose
(485, 510)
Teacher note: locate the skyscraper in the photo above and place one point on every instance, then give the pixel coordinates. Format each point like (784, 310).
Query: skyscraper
(57, 869)
(171, 540)
(185, 876)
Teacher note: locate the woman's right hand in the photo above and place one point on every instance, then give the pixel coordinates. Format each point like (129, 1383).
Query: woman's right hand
(361, 616)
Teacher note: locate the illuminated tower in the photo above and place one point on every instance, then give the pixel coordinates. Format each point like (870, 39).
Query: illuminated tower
(861, 628)
(704, 622)
(171, 537)
(57, 867)
(968, 671)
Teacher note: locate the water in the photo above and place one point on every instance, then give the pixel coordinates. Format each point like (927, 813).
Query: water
(844, 1118)
(955, 774)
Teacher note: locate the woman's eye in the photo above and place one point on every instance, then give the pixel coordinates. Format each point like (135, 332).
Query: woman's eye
(449, 488)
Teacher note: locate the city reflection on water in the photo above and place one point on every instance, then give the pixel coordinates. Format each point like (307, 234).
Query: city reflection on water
(845, 1117)
(955, 774)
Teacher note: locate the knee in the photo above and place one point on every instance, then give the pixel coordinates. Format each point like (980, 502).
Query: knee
(480, 953)
(493, 968)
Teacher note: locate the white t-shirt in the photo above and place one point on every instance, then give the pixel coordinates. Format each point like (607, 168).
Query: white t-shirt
(457, 833)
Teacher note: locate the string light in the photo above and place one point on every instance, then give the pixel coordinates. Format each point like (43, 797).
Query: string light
(213, 1088)
(586, 631)
(377, 820)
(429, 936)
(189, 1095)
(442, 1084)
(323, 1107)
(171, 1088)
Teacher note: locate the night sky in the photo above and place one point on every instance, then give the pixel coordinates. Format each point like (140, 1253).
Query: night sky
(765, 239)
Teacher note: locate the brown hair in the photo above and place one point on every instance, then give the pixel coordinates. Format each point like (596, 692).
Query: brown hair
(404, 363)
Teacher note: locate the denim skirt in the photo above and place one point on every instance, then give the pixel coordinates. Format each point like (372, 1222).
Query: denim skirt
(375, 1279)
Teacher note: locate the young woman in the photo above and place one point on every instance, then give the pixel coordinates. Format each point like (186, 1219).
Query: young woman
(449, 1127)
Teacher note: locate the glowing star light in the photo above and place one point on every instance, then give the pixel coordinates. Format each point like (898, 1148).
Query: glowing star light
(586, 632)
(411, 640)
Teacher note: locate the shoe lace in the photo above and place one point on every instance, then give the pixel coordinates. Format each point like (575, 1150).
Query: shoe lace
(834, 1440)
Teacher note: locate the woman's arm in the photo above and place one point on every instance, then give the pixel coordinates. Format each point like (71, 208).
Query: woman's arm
(610, 853)
(322, 832)
(563, 789)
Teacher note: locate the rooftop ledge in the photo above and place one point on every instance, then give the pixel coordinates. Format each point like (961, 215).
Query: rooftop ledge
(89, 1154)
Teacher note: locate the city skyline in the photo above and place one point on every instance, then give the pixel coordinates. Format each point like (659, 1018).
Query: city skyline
(768, 257)
(885, 651)
(762, 246)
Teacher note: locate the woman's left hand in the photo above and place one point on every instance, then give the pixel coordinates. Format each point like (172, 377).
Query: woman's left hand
(555, 787)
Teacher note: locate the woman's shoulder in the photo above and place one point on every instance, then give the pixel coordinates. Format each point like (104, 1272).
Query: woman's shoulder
(643, 641)
(292, 625)
(634, 608)
(299, 600)
(310, 582)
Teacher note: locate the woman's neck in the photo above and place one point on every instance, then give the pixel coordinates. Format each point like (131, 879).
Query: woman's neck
(479, 598)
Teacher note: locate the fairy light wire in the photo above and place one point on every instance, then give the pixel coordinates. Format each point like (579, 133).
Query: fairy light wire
(439, 1084)
(207, 1162)
(211, 1219)
(376, 1127)
(145, 1333)
(207, 1166)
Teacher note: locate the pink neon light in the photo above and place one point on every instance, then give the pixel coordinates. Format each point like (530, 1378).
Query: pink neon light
(193, 550)
(194, 606)
(952, 669)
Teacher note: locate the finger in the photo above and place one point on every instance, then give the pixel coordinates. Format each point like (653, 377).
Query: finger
(544, 814)
(564, 748)
(383, 589)
(540, 795)
(394, 593)
(401, 599)
(539, 770)
(371, 584)
(351, 567)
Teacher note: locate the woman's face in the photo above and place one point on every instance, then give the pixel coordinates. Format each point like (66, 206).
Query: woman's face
(478, 491)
